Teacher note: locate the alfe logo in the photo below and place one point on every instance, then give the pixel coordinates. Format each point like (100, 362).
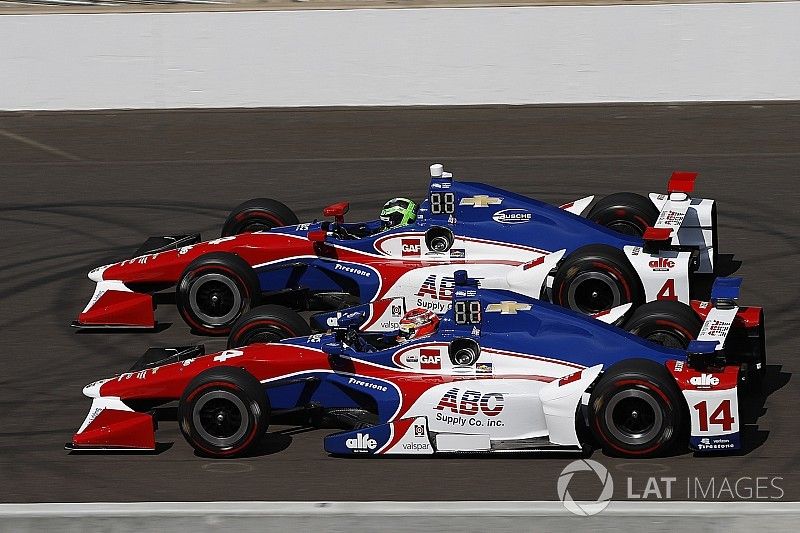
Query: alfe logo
(704, 380)
(410, 247)
(430, 360)
(661, 264)
(361, 443)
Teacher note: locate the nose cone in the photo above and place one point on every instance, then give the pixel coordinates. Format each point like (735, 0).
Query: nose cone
(97, 273)
(92, 390)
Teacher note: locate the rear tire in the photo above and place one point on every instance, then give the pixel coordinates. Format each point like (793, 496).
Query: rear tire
(258, 214)
(624, 212)
(596, 278)
(223, 412)
(215, 290)
(268, 323)
(668, 323)
(636, 410)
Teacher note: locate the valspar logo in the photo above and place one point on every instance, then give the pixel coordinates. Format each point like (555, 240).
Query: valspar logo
(361, 443)
(512, 216)
(704, 380)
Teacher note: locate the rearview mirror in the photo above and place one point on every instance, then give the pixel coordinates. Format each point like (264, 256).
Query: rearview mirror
(338, 211)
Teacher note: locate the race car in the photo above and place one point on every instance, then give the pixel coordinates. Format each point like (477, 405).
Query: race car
(500, 372)
(630, 249)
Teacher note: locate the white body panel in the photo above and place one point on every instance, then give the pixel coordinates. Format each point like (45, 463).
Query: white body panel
(695, 226)
(665, 275)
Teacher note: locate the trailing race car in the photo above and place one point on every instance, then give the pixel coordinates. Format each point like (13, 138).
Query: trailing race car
(500, 372)
(630, 249)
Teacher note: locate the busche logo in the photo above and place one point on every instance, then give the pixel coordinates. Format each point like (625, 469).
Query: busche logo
(512, 216)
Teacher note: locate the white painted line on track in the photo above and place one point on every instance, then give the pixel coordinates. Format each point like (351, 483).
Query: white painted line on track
(392, 508)
(41, 146)
(389, 159)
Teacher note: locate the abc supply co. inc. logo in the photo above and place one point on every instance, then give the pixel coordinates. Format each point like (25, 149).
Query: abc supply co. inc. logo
(585, 508)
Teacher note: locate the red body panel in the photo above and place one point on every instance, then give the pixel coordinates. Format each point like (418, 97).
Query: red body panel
(118, 429)
(121, 308)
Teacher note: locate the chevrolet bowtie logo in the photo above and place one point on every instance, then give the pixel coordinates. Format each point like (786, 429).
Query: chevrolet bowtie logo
(480, 200)
(507, 308)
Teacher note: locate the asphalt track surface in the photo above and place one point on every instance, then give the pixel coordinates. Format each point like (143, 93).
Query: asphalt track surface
(79, 190)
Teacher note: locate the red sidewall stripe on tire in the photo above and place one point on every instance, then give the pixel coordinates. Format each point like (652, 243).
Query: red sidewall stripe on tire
(608, 441)
(242, 284)
(231, 387)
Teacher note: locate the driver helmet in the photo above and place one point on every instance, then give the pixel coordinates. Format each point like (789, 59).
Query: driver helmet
(418, 323)
(398, 212)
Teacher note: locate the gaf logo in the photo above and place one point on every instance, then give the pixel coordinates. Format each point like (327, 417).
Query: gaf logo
(410, 247)
(704, 380)
(361, 443)
(512, 216)
(662, 263)
(430, 360)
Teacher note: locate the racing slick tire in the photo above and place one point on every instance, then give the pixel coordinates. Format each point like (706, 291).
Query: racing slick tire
(223, 412)
(215, 290)
(637, 410)
(624, 212)
(258, 214)
(268, 323)
(596, 278)
(668, 323)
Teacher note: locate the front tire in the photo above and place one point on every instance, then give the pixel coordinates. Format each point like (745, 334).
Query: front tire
(624, 212)
(668, 323)
(596, 278)
(636, 410)
(258, 214)
(268, 323)
(223, 412)
(215, 290)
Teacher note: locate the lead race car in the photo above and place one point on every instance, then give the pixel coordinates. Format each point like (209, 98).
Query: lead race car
(629, 249)
(499, 372)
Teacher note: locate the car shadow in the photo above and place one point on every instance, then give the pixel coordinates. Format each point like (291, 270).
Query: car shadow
(159, 327)
(160, 448)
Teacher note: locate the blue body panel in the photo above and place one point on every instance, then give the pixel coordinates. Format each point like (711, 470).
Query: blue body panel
(544, 330)
(547, 228)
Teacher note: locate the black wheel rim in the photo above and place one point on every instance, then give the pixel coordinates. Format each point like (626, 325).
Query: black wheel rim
(255, 225)
(633, 417)
(592, 292)
(626, 227)
(668, 338)
(215, 299)
(220, 418)
(266, 334)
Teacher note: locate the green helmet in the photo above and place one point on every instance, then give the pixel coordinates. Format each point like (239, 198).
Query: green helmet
(398, 212)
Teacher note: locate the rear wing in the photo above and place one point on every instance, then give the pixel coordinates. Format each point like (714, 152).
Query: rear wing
(692, 221)
(710, 343)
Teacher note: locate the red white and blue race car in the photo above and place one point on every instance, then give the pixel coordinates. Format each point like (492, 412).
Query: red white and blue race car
(628, 249)
(500, 372)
